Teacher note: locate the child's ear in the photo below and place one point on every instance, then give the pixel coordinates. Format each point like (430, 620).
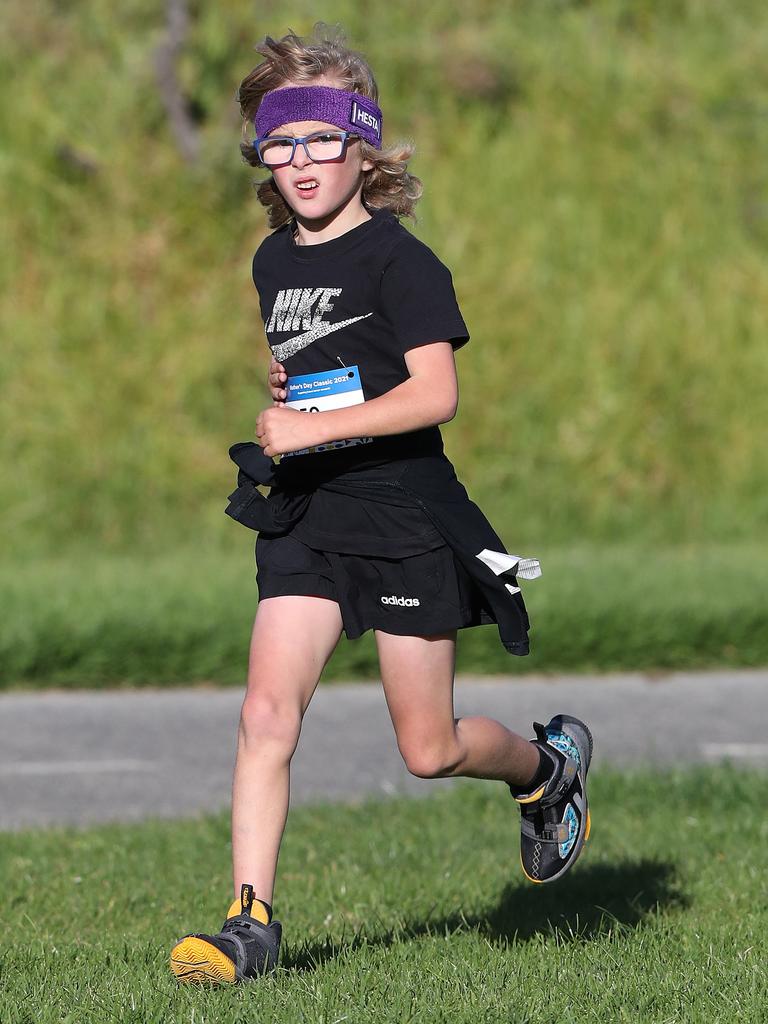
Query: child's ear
(367, 165)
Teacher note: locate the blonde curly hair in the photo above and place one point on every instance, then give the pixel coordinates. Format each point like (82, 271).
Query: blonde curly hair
(388, 185)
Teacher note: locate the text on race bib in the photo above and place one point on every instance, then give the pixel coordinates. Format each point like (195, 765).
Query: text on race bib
(320, 392)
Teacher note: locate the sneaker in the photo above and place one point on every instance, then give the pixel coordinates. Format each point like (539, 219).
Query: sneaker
(555, 820)
(244, 948)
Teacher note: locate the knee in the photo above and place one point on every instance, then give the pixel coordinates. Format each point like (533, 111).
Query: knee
(430, 760)
(267, 723)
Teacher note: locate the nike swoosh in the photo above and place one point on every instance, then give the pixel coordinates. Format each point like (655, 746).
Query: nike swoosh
(300, 341)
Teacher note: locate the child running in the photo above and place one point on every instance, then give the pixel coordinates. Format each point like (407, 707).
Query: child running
(365, 525)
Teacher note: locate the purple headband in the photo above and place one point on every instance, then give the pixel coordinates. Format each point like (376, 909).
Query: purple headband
(348, 110)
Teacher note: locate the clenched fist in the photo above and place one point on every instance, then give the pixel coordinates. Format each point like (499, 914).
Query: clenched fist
(280, 430)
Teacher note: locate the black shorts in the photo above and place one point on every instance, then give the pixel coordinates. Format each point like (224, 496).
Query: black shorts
(420, 595)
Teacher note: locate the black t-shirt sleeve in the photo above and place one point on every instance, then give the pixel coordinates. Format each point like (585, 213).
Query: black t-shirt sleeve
(418, 298)
(268, 255)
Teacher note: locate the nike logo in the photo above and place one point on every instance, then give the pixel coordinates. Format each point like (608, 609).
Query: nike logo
(295, 344)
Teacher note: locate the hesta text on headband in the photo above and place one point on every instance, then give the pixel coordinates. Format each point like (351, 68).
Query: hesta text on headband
(348, 110)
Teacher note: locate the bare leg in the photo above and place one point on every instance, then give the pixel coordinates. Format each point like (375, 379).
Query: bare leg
(293, 638)
(417, 673)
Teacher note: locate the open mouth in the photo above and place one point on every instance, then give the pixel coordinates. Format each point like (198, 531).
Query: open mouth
(306, 187)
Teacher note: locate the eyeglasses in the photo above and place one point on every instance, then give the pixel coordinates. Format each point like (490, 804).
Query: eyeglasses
(320, 147)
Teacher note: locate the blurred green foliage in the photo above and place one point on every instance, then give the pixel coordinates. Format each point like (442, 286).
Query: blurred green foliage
(594, 177)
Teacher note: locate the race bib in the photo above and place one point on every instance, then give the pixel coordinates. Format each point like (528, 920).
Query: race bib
(319, 392)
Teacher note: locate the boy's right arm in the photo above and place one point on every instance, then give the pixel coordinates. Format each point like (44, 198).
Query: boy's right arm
(277, 378)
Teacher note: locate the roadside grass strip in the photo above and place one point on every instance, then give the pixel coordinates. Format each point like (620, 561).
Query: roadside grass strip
(411, 910)
(182, 616)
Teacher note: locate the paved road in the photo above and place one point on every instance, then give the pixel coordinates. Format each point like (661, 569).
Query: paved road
(83, 757)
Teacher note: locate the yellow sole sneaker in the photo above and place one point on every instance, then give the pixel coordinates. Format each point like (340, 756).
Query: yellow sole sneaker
(195, 960)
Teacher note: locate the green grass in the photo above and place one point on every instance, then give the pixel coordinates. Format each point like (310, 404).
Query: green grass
(594, 177)
(410, 911)
(95, 619)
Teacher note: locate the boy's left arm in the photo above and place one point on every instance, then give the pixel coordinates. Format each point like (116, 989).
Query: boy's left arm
(429, 396)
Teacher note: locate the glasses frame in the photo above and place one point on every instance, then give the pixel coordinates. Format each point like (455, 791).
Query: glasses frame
(303, 139)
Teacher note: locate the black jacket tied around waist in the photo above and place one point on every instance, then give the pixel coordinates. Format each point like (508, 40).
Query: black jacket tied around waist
(428, 482)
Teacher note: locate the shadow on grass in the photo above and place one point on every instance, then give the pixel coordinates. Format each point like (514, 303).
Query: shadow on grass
(591, 902)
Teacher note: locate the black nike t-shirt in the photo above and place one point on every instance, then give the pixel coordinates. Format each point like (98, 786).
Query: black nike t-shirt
(340, 316)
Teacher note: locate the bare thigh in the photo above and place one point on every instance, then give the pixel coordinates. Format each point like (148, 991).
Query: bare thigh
(417, 675)
(293, 637)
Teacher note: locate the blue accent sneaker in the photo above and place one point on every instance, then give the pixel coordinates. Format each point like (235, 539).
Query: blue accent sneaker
(555, 821)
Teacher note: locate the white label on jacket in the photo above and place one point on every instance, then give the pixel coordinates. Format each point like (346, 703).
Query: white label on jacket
(500, 562)
(319, 392)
